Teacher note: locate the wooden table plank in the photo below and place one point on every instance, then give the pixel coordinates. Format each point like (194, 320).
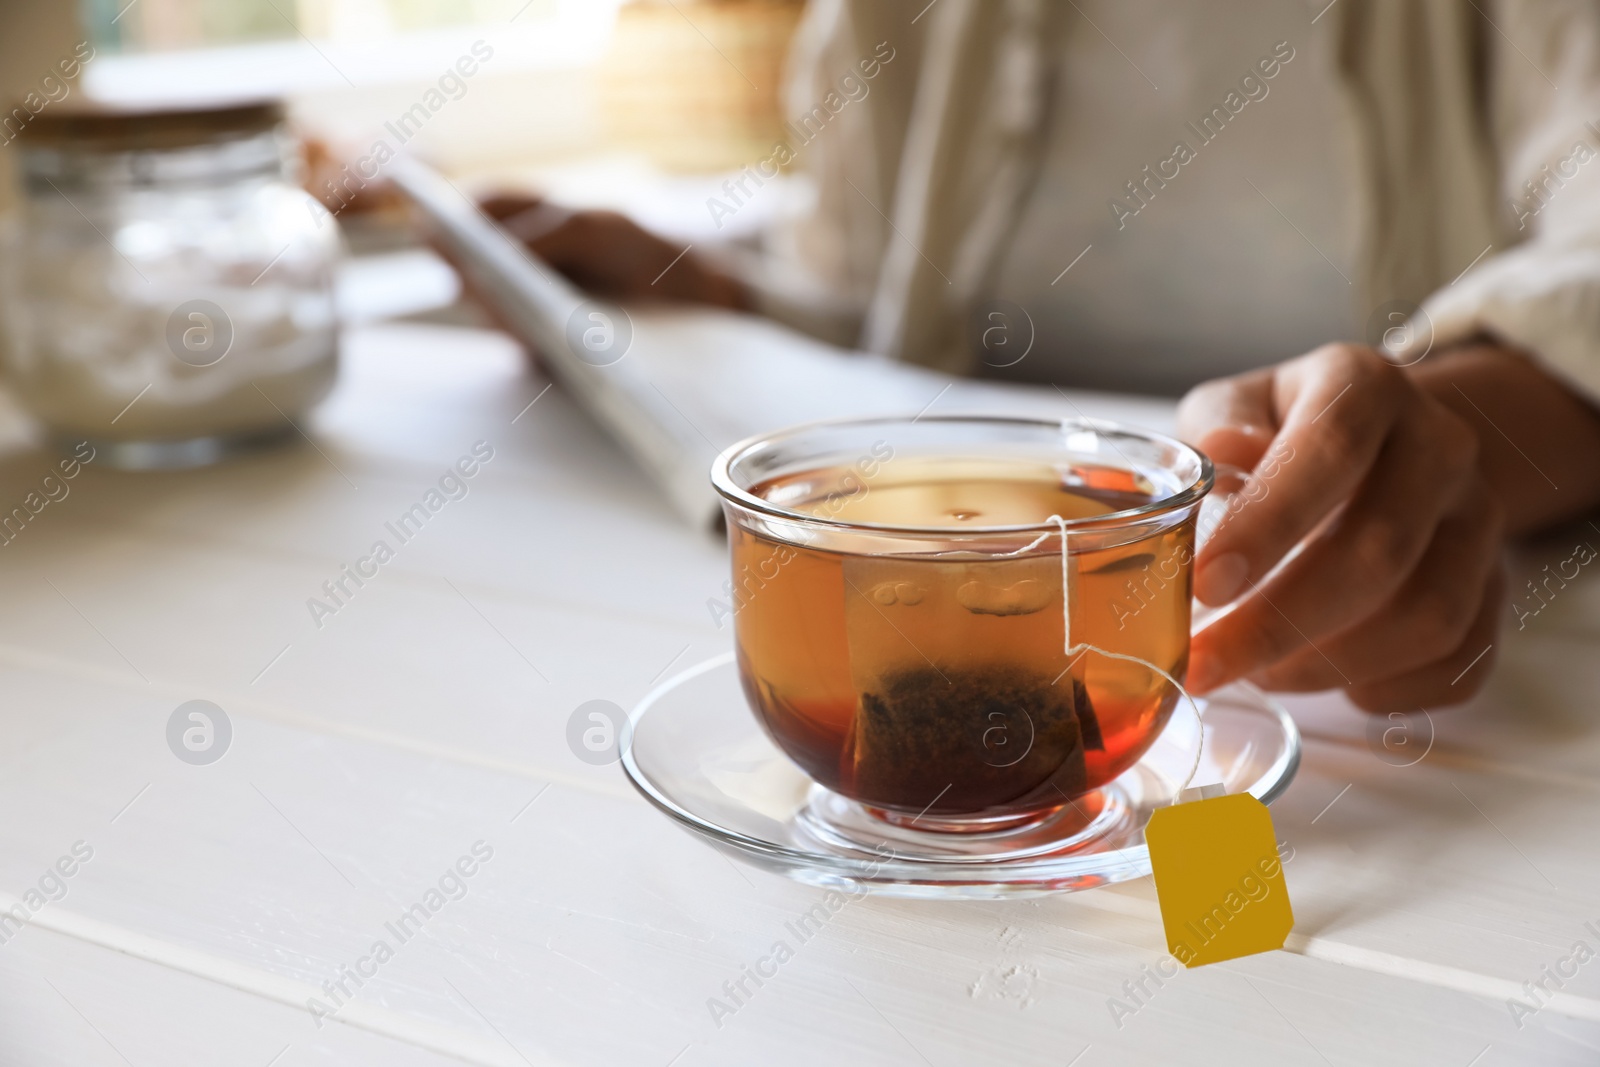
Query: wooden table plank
(594, 908)
(431, 709)
(65, 1002)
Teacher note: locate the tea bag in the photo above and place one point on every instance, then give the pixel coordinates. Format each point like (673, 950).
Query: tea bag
(965, 697)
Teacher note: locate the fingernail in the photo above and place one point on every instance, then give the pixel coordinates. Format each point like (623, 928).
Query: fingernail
(1222, 579)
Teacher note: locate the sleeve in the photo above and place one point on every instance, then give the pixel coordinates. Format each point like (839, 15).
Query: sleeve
(1540, 291)
(919, 136)
(852, 72)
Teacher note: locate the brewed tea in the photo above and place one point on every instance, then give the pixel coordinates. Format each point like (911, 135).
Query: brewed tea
(934, 679)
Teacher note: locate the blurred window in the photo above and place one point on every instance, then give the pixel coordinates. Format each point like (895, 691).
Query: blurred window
(169, 25)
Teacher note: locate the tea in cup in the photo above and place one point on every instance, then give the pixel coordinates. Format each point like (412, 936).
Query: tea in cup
(906, 592)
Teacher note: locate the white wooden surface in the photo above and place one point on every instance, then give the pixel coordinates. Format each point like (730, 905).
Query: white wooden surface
(370, 754)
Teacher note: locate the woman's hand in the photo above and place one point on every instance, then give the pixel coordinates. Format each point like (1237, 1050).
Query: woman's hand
(612, 256)
(1373, 491)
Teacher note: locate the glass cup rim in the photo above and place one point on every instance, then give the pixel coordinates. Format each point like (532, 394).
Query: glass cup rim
(722, 479)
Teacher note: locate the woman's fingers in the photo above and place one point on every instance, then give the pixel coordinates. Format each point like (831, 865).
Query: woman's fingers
(609, 254)
(601, 251)
(1425, 620)
(500, 206)
(537, 223)
(1347, 572)
(1370, 513)
(1451, 679)
(1337, 407)
(1232, 419)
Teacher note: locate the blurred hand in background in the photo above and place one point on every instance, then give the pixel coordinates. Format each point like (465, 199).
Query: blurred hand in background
(610, 255)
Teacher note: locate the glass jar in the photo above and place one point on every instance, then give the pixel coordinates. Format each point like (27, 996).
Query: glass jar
(169, 289)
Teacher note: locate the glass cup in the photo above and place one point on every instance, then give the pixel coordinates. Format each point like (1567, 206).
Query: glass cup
(905, 592)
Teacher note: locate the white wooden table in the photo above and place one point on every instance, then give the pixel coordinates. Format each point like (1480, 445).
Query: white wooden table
(368, 756)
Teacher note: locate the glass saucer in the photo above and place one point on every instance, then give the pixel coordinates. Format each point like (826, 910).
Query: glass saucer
(698, 754)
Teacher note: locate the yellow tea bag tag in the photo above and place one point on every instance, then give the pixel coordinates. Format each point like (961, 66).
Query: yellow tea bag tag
(1219, 879)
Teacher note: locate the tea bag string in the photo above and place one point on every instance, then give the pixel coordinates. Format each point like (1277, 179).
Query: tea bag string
(1073, 651)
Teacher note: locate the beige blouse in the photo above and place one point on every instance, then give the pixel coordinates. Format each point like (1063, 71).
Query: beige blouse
(1473, 192)
(1193, 215)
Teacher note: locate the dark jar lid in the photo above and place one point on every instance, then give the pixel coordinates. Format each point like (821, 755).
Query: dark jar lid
(104, 128)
